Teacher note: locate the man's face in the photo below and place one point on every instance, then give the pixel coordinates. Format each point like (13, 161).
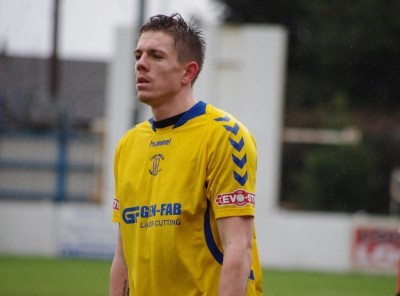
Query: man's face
(158, 72)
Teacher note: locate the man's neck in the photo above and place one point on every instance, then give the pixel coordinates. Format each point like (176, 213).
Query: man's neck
(172, 108)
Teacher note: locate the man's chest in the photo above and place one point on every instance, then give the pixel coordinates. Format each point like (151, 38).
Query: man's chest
(163, 165)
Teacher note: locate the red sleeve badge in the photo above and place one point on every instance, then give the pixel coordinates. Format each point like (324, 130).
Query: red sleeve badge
(238, 198)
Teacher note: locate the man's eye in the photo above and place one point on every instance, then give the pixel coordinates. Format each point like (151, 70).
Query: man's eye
(137, 57)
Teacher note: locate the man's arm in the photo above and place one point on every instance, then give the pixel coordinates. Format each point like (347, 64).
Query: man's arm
(236, 237)
(119, 283)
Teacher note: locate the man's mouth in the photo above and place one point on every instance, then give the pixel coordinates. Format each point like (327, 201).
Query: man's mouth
(141, 80)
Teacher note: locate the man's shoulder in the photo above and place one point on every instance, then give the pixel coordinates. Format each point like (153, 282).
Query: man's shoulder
(137, 130)
(225, 120)
(217, 116)
(214, 111)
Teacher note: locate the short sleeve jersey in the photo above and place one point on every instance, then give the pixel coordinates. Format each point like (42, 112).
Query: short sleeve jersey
(171, 185)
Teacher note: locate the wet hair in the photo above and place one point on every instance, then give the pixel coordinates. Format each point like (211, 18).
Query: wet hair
(189, 41)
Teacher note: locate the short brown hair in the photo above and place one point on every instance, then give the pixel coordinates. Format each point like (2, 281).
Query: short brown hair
(189, 41)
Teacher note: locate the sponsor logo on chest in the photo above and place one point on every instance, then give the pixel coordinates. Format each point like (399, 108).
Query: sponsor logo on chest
(134, 214)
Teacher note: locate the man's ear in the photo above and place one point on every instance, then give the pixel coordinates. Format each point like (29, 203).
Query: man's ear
(191, 70)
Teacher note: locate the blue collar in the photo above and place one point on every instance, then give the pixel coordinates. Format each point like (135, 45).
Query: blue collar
(197, 110)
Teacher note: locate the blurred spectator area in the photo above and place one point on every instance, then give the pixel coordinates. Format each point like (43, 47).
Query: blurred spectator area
(51, 146)
(26, 102)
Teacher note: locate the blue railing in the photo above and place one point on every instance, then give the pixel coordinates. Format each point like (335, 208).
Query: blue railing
(59, 165)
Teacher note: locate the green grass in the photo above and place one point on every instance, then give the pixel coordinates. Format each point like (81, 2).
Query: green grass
(48, 277)
(45, 276)
(285, 283)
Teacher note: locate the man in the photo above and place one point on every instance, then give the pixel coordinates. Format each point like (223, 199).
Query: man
(185, 181)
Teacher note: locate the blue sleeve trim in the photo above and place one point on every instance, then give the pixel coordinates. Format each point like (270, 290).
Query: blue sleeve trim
(252, 275)
(210, 241)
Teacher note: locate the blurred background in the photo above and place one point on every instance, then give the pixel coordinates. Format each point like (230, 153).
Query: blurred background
(316, 81)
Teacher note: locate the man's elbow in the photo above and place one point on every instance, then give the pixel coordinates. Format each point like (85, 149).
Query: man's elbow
(239, 252)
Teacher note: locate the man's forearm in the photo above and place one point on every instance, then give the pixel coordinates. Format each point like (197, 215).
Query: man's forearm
(235, 273)
(120, 289)
(119, 283)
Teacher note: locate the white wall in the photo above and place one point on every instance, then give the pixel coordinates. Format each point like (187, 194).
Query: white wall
(28, 228)
(305, 240)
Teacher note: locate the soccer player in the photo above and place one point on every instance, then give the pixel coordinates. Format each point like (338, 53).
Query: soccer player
(185, 181)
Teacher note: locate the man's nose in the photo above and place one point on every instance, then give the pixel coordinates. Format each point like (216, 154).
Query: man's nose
(141, 63)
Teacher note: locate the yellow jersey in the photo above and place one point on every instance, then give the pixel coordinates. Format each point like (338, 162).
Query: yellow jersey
(171, 184)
